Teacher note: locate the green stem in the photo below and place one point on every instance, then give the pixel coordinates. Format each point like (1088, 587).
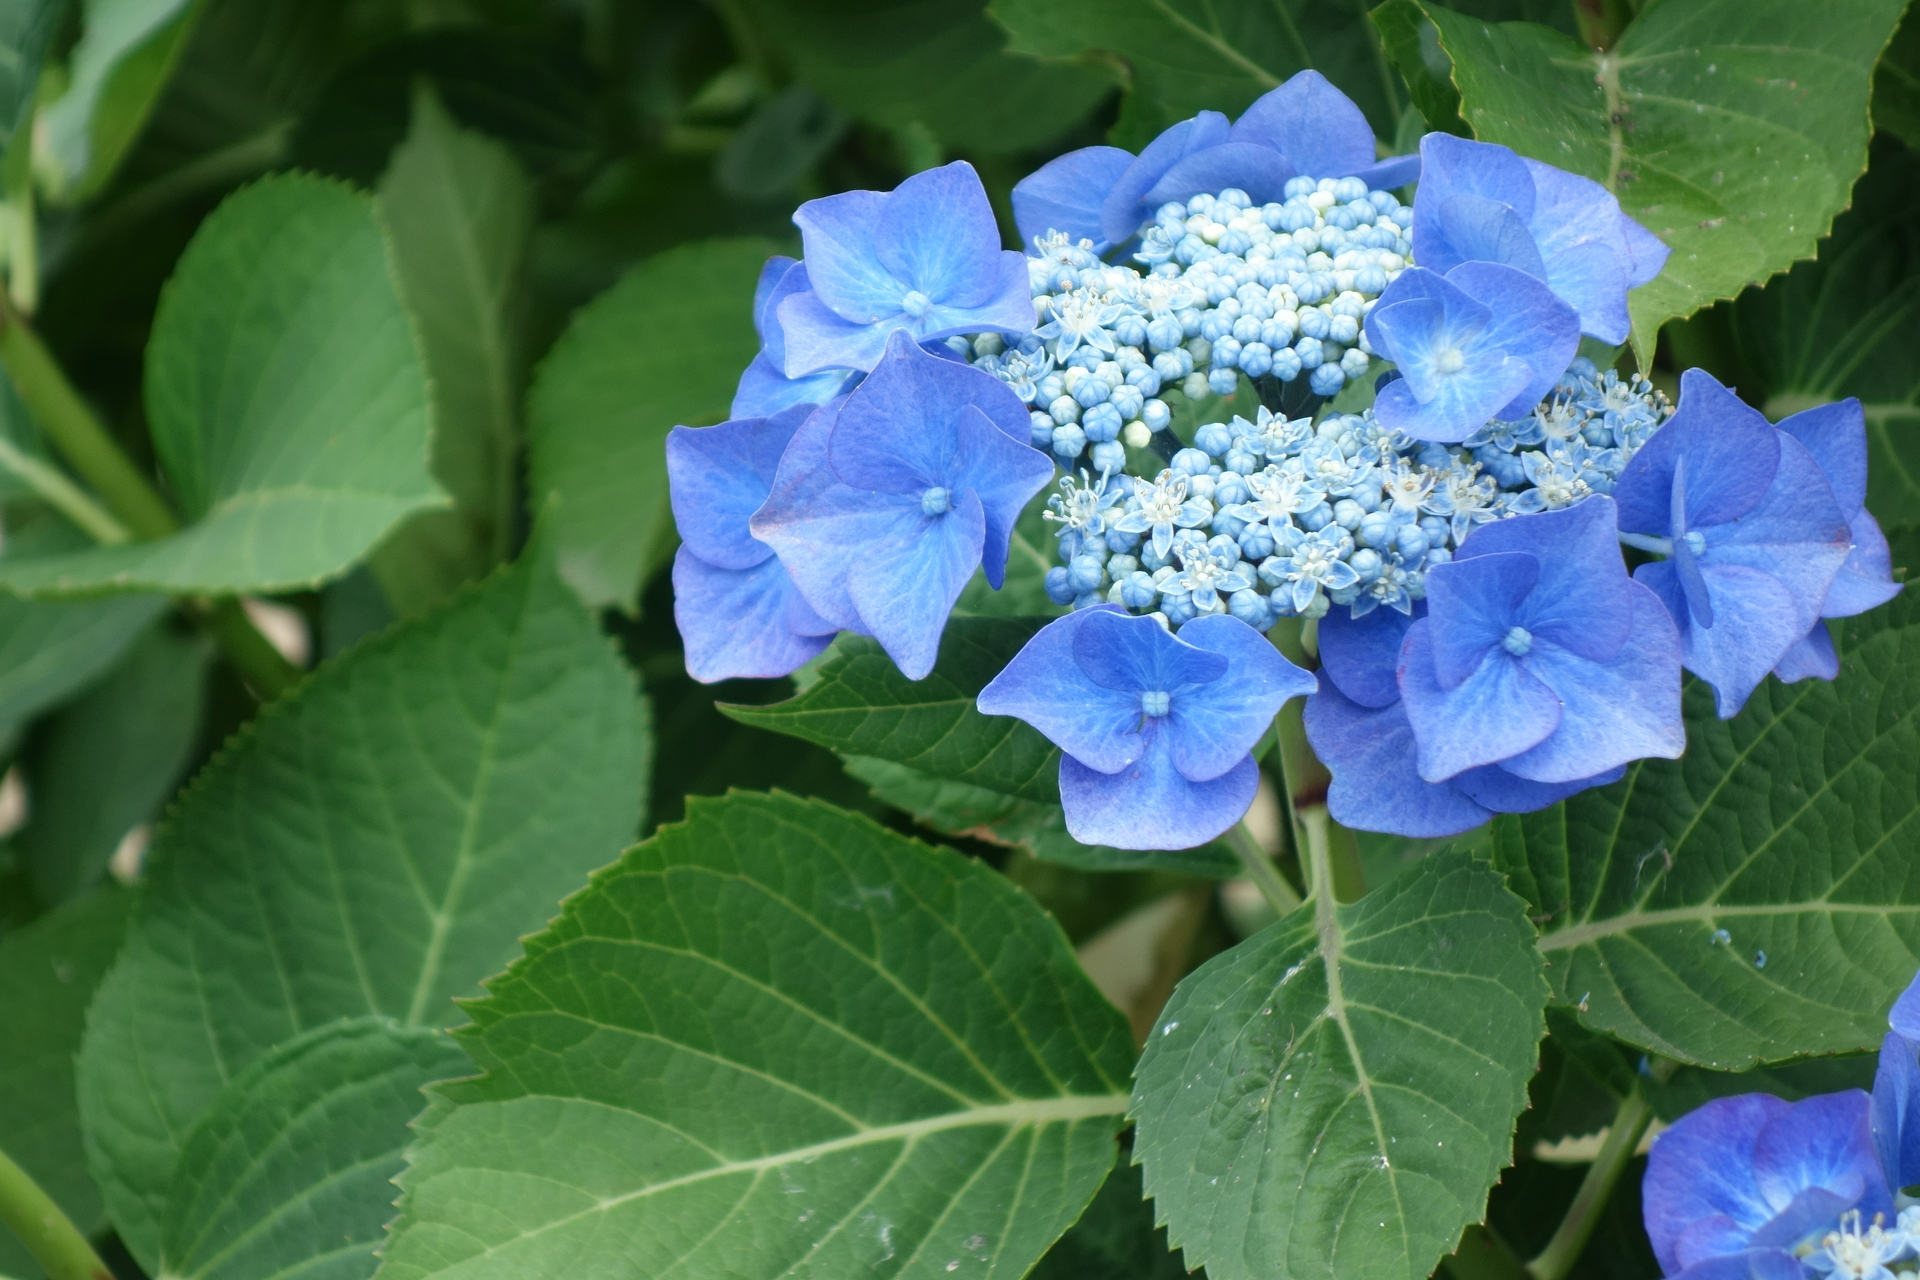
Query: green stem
(49, 1234)
(1260, 869)
(1583, 1215)
(266, 670)
(63, 495)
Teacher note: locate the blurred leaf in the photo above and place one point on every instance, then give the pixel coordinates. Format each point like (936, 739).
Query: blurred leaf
(25, 28)
(664, 347)
(1413, 43)
(372, 843)
(1732, 129)
(289, 1170)
(116, 72)
(781, 142)
(1896, 85)
(1692, 1087)
(962, 809)
(106, 763)
(287, 400)
(1333, 1097)
(1115, 1238)
(940, 64)
(1754, 900)
(459, 207)
(48, 972)
(882, 1056)
(50, 649)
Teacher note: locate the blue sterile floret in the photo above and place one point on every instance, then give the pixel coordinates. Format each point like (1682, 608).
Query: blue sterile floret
(765, 388)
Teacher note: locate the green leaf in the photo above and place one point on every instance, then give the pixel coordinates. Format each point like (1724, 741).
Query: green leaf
(459, 207)
(1732, 129)
(861, 705)
(662, 348)
(1691, 1087)
(48, 972)
(1215, 57)
(372, 844)
(960, 808)
(1413, 43)
(50, 649)
(776, 1038)
(25, 29)
(1335, 1095)
(1896, 86)
(290, 1169)
(115, 75)
(1752, 901)
(287, 402)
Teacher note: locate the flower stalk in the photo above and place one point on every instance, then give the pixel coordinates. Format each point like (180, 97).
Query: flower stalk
(1583, 1215)
(48, 1233)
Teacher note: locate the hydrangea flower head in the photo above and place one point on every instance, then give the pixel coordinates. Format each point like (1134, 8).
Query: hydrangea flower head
(1156, 730)
(1751, 526)
(1483, 341)
(924, 258)
(886, 502)
(765, 389)
(738, 611)
(1481, 202)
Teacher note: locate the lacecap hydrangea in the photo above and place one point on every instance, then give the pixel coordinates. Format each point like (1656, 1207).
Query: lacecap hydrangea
(1509, 553)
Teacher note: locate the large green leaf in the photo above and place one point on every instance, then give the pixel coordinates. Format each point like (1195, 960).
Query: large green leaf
(459, 207)
(105, 764)
(861, 705)
(48, 972)
(1733, 129)
(1754, 900)
(663, 348)
(49, 649)
(289, 1171)
(1896, 85)
(1335, 1096)
(372, 844)
(287, 402)
(116, 73)
(774, 1039)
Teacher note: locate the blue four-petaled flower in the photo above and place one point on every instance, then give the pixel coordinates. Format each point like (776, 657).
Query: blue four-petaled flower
(765, 388)
(1156, 730)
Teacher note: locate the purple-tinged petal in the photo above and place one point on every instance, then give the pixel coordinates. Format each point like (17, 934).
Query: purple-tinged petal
(1612, 712)
(1795, 532)
(1259, 171)
(1646, 252)
(1497, 712)
(1707, 1246)
(837, 233)
(1812, 657)
(1809, 1215)
(1451, 166)
(1312, 124)
(1359, 654)
(717, 478)
(1865, 580)
(1821, 1143)
(1732, 453)
(1123, 212)
(1136, 655)
(1896, 1110)
(1734, 659)
(936, 233)
(817, 339)
(1702, 1168)
(1577, 224)
(817, 525)
(1483, 230)
(1066, 194)
(1583, 600)
(1471, 607)
(764, 390)
(1376, 779)
(737, 623)
(906, 582)
(1149, 805)
(1747, 1264)
(1503, 792)
(1210, 729)
(1045, 686)
(1904, 1017)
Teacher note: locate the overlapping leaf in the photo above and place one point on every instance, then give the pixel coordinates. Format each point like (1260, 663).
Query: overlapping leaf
(1754, 900)
(372, 844)
(117, 70)
(1335, 1096)
(50, 649)
(774, 1039)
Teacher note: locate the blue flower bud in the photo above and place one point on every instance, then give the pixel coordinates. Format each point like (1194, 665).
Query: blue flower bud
(1068, 441)
(1376, 529)
(1138, 591)
(1403, 217)
(1223, 382)
(1215, 326)
(1102, 423)
(1256, 358)
(1088, 600)
(1165, 333)
(1435, 528)
(1156, 415)
(1092, 391)
(1194, 386)
(1308, 350)
(1041, 434)
(1190, 462)
(1064, 409)
(1109, 456)
(1280, 331)
(1300, 186)
(1411, 541)
(1344, 330)
(1127, 401)
(1286, 364)
(1354, 363)
(1058, 589)
(1246, 329)
(1314, 518)
(1366, 563)
(1213, 438)
(1144, 379)
(1251, 608)
(1130, 330)
(1383, 201)
(1370, 280)
(1347, 190)
(1348, 514)
(1085, 574)
(1125, 543)
(1201, 349)
(1327, 380)
(1189, 318)
(1225, 353)
(1314, 323)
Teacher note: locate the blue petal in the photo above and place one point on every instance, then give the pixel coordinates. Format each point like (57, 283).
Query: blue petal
(1836, 435)
(1312, 124)
(1498, 712)
(1002, 473)
(1046, 687)
(1376, 780)
(1865, 580)
(818, 339)
(1472, 603)
(1582, 601)
(936, 233)
(1066, 194)
(1451, 166)
(1482, 230)
(1359, 654)
(1259, 171)
(1422, 318)
(905, 583)
(1795, 533)
(1811, 658)
(1810, 1215)
(1211, 728)
(1530, 324)
(738, 623)
(1390, 173)
(717, 478)
(1702, 1168)
(1735, 657)
(817, 525)
(1904, 1017)
(1821, 1143)
(1149, 805)
(771, 274)
(1646, 252)
(1748, 1264)
(1579, 227)
(842, 267)
(1612, 712)
(1503, 792)
(1896, 1111)
(1136, 655)
(1732, 453)
(764, 390)
(1122, 214)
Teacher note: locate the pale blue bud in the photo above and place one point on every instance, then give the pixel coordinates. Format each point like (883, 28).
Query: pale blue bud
(1214, 438)
(1145, 379)
(1348, 514)
(1092, 391)
(1225, 353)
(1165, 333)
(1286, 364)
(1156, 415)
(1354, 363)
(1068, 441)
(1307, 349)
(1344, 330)
(1223, 382)
(1314, 323)
(1064, 409)
(1102, 423)
(1256, 358)
(1194, 385)
(1058, 589)
(1131, 330)
(1327, 380)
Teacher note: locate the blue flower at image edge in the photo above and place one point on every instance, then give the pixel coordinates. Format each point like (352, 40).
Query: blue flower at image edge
(1306, 127)
(738, 611)
(924, 258)
(1156, 731)
(1481, 202)
(886, 501)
